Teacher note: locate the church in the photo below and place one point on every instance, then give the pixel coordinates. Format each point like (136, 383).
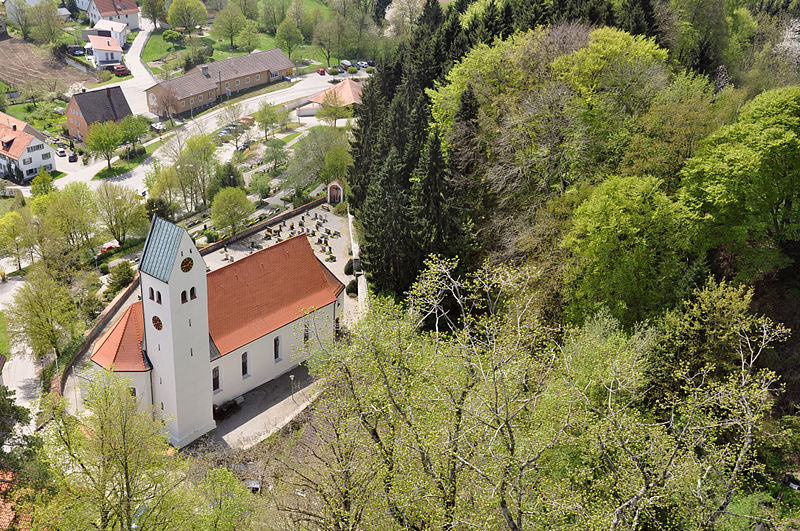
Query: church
(198, 339)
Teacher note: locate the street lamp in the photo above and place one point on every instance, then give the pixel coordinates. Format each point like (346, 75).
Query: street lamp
(291, 383)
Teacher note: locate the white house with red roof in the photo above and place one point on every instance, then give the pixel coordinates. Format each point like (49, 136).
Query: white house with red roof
(22, 154)
(114, 10)
(105, 50)
(197, 340)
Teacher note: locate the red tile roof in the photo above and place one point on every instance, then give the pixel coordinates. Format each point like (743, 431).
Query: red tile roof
(13, 143)
(105, 43)
(265, 291)
(120, 346)
(348, 91)
(109, 8)
(247, 299)
(8, 120)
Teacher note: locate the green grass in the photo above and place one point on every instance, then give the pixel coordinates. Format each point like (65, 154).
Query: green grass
(114, 79)
(42, 121)
(3, 336)
(156, 47)
(120, 166)
(5, 206)
(5, 87)
(290, 137)
(57, 174)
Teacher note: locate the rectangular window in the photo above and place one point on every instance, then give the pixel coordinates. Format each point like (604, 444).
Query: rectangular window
(215, 379)
(237, 82)
(210, 96)
(227, 85)
(183, 103)
(191, 101)
(247, 79)
(273, 75)
(200, 97)
(277, 348)
(258, 77)
(26, 161)
(133, 392)
(45, 156)
(244, 365)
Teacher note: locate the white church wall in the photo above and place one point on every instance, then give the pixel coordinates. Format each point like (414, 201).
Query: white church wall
(140, 383)
(262, 366)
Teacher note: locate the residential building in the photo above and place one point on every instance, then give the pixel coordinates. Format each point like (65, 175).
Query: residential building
(108, 28)
(204, 85)
(346, 92)
(64, 14)
(22, 154)
(101, 105)
(105, 51)
(83, 5)
(114, 10)
(8, 120)
(197, 340)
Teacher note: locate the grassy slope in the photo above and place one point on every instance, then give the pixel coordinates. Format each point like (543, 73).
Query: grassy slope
(5, 206)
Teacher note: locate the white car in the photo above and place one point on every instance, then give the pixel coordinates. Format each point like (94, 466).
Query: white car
(61, 152)
(362, 64)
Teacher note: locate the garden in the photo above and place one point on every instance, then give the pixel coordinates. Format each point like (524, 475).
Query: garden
(45, 115)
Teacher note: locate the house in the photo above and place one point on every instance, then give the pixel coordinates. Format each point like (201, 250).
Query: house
(64, 14)
(114, 10)
(8, 120)
(83, 5)
(204, 85)
(105, 51)
(335, 192)
(102, 105)
(108, 28)
(347, 92)
(22, 154)
(198, 340)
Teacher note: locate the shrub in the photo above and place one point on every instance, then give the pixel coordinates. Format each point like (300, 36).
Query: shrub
(104, 268)
(352, 70)
(172, 36)
(333, 71)
(340, 209)
(211, 236)
(104, 75)
(369, 69)
(29, 107)
(80, 151)
(348, 267)
(352, 287)
(121, 275)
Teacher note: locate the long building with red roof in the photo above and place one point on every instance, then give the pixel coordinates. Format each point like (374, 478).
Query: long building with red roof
(196, 340)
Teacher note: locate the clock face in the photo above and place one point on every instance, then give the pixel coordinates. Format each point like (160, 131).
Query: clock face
(187, 265)
(157, 323)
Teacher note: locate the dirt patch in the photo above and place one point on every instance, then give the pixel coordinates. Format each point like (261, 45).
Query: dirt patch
(21, 62)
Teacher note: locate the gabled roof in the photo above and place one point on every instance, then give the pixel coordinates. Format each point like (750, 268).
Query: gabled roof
(266, 290)
(8, 120)
(105, 43)
(13, 143)
(110, 25)
(348, 91)
(108, 8)
(102, 105)
(205, 78)
(160, 249)
(120, 346)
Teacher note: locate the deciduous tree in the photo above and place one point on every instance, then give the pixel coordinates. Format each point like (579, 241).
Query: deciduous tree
(153, 10)
(120, 210)
(333, 108)
(228, 23)
(187, 14)
(103, 139)
(230, 209)
(248, 38)
(288, 36)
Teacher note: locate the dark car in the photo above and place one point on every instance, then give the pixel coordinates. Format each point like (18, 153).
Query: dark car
(371, 63)
(340, 69)
(77, 52)
(121, 70)
(73, 157)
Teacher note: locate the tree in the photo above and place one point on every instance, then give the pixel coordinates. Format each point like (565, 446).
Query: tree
(113, 468)
(153, 10)
(630, 244)
(272, 13)
(15, 445)
(249, 8)
(228, 502)
(103, 139)
(43, 315)
(42, 184)
(45, 22)
(228, 23)
(333, 109)
(226, 176)
(230, 209)
(120, 210)
(132, 128)
(18, 12)
(310, 152)
(337, 162)
(187, 14)
(195, 167)
(288, 36)
(248, 38)
(120, 277)
(266, 116)
(229, 116)
(67, 226)
(325, 38)
(16, 236)
(275, 153)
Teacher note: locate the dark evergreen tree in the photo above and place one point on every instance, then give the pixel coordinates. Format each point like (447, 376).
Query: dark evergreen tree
(635, 17)
(592, 11)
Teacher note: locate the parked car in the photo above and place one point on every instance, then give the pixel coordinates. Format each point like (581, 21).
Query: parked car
(370, 63)
(245, 145)
(108, 246)
(77, 52)
(73, 157)
(321, 71)
(341, 70)
(61, 152)
(345, 64)
(121, 70)
(362, 64)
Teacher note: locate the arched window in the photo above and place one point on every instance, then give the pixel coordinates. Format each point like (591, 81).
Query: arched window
(158, 297)
(277, 348)
(150, 292)
(192, 293)
(183, 297)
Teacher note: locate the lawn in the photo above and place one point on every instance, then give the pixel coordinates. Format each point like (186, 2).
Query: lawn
(3, 336)
(41, 117)
(4, 87)
(114, 79)
(120, 166)
(5, 206)
(156, 48)
(290, 137)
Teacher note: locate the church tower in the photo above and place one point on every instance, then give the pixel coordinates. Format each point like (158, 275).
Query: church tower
(176, 339)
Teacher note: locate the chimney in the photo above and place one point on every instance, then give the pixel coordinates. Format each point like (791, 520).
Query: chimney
(83, 89)
(13, 127)
(204, 70)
